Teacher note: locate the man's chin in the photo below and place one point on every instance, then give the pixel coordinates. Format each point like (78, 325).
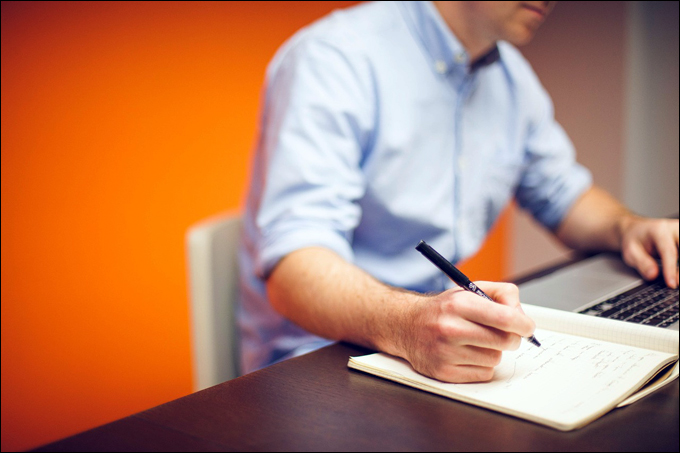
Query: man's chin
(521, 36)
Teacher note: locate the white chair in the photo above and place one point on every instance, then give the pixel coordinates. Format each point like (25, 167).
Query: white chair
(213, 279)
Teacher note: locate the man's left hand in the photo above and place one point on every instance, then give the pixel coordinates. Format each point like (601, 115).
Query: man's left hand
(643, 239)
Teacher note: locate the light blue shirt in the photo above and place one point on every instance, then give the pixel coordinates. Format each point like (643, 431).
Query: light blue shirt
(375, 134)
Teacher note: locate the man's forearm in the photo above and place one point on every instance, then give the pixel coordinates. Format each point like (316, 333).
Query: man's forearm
(599, 222)
(329, 297)
(453, 336)
(595, 222)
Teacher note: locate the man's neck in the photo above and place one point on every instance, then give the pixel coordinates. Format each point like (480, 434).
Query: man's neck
(454, 15)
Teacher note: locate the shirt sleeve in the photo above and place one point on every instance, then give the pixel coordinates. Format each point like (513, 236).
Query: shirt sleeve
(552, 180)
(316, 125)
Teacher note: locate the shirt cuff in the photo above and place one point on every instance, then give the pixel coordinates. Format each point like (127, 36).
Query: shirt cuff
(275, 247)
(552, 216)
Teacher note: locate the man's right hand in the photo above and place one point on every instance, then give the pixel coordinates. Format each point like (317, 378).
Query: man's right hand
(458, 336)
(455, 336)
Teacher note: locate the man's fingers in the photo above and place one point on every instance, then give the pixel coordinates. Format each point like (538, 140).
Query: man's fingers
(462, 374)
(503, 293)
(648, 237)
(477, 356)
(636, 256)
(467, 363)
(491, 314)
(667, 248)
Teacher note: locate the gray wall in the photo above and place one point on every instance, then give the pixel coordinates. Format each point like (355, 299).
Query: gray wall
(650, 165)
(611, 69)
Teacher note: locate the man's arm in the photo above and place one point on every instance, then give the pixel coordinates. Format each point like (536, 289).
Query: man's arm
(598, 222)
(454, 336)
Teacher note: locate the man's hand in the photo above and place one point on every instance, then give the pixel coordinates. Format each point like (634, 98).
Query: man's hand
(598, 222)
(455, 336)
(643, 239)
(458, 336)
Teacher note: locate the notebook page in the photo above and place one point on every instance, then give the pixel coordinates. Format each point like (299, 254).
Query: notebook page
(622, 332)
(565, 384)
(662, 380)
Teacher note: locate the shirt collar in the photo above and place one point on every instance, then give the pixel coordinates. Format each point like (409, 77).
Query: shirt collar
(446, 51)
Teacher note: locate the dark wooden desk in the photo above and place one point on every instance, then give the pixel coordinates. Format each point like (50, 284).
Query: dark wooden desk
(315, 403)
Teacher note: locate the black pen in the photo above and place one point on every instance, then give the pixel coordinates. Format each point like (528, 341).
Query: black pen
(457, 276)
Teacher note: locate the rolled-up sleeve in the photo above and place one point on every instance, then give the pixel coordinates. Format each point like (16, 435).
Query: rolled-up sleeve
(315, 130)
(552, 180)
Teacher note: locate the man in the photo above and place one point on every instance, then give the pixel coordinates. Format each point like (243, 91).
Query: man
(389, 123)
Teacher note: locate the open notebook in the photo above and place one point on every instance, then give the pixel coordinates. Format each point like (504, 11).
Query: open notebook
(586, 367)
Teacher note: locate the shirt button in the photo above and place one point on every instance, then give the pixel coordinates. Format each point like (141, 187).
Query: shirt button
(462, 163)
(440, 66)
(460, 57)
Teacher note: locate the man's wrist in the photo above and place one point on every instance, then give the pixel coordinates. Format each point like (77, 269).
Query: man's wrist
(400, 331)
(623, 224)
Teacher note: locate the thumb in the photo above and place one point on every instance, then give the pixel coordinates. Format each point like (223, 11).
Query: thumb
(636, 256)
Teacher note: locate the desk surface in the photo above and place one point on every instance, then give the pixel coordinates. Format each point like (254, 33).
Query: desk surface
(315, 403)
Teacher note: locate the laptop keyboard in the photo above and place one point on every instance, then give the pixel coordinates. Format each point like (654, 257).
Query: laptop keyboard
(653, 304)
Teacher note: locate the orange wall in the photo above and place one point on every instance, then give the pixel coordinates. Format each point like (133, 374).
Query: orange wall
(122, 124)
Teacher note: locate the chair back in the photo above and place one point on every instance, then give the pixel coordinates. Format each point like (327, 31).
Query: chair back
(212, 246)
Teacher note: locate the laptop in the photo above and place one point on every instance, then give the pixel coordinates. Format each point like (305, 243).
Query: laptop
(604, 286)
